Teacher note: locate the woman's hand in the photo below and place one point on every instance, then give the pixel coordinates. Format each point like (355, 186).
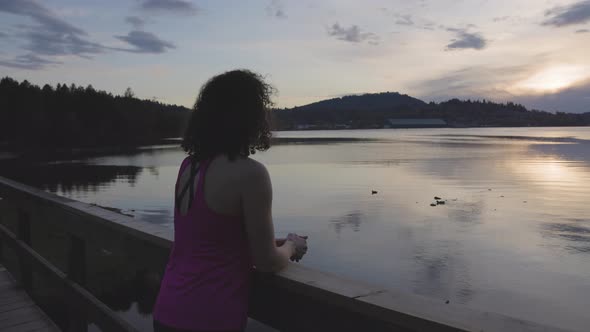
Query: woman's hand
(300, 244)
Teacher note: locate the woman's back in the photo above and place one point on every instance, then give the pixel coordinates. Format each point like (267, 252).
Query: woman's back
(222, 185)
(207, 279)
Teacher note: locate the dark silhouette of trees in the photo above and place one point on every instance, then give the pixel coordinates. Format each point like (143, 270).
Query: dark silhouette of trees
(486, 113)
(373, 110)
(74, 116)
(129, 93)
(63, 116)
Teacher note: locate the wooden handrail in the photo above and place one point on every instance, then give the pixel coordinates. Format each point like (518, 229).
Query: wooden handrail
(297, 299)
(81, 301)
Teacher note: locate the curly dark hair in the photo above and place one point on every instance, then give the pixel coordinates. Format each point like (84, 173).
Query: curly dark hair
(231, 116)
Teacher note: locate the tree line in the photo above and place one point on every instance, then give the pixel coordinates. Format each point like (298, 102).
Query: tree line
(383, 106)
(33, 117)
(75, 116)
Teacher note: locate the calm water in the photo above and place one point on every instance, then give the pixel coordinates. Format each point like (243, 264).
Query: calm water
(513, 236)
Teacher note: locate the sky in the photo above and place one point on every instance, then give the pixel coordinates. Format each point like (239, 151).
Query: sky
(534, 52)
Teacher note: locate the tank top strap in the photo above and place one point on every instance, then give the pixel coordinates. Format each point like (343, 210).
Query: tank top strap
(181, 169)
(184, 165)
(201, 182)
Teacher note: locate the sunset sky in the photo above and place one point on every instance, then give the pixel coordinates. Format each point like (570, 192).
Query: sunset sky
(536, 52)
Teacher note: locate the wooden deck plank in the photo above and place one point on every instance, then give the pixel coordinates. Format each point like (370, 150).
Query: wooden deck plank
(43, 329)
(5, 309)
(4, 284)
(26, 327)
(10, 292)
(18, 313)
(9, 300)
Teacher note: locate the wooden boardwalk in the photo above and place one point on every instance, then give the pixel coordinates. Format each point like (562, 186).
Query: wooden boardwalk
(18, 313)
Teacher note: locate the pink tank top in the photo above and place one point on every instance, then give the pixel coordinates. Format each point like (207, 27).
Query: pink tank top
(207, 280)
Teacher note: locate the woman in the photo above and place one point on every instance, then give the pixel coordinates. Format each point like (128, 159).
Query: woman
(222, 217)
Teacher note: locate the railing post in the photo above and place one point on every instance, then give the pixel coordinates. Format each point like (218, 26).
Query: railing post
(24, 234)
(1, 223)
(77, 273)
(1, 248)
(77, 260)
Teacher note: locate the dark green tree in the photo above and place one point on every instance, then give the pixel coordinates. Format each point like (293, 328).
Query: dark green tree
(73, 116)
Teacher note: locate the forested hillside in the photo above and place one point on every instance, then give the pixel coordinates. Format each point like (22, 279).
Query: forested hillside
(75, 116)
(374, 110)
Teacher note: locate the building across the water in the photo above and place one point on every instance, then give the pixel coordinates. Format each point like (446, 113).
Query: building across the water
(416, 123)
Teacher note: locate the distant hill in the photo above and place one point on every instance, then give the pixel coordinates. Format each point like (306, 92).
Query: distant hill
(374, 111)
(357, 111)
(366, 102)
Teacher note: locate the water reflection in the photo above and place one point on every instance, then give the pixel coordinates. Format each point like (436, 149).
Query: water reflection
(558, 139)
(515, 224)
(579, 151)
(351, 220)
(576, 233)
(443, 272)
(324, 140)
(466, 213)
(69, 177)
(157, 216)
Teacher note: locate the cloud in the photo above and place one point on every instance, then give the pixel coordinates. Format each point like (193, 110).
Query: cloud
(501, 18)
(472, 82)
(466, 40)
(576, 13)
(27, 61)
(170, 6)
(582, 31)
(429, 26)
(512, 20)
(55, 43)
(51, 36)
(39, 13)
(276, 9)
(494, 83)
(135, 21)
(352, 34)
(573, 99)
(145, 42)
(404, 20)
(412, 20)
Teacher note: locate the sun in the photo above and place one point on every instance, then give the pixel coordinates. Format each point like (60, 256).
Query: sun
(554, 79)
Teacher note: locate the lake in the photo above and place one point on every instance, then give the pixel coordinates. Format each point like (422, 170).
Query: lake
(513, 234)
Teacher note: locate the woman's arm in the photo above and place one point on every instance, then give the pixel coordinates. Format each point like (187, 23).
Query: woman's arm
(256, 195)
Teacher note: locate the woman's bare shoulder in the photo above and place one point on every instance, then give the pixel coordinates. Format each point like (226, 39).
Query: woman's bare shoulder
(244, 167)
(250, 168)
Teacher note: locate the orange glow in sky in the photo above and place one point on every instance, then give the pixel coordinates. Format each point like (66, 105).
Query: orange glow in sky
(553, 79)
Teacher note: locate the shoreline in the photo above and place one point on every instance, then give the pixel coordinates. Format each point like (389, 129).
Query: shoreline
(8, 153)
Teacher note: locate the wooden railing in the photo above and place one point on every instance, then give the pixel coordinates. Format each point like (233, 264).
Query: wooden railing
(83, 308)
(297, 299)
